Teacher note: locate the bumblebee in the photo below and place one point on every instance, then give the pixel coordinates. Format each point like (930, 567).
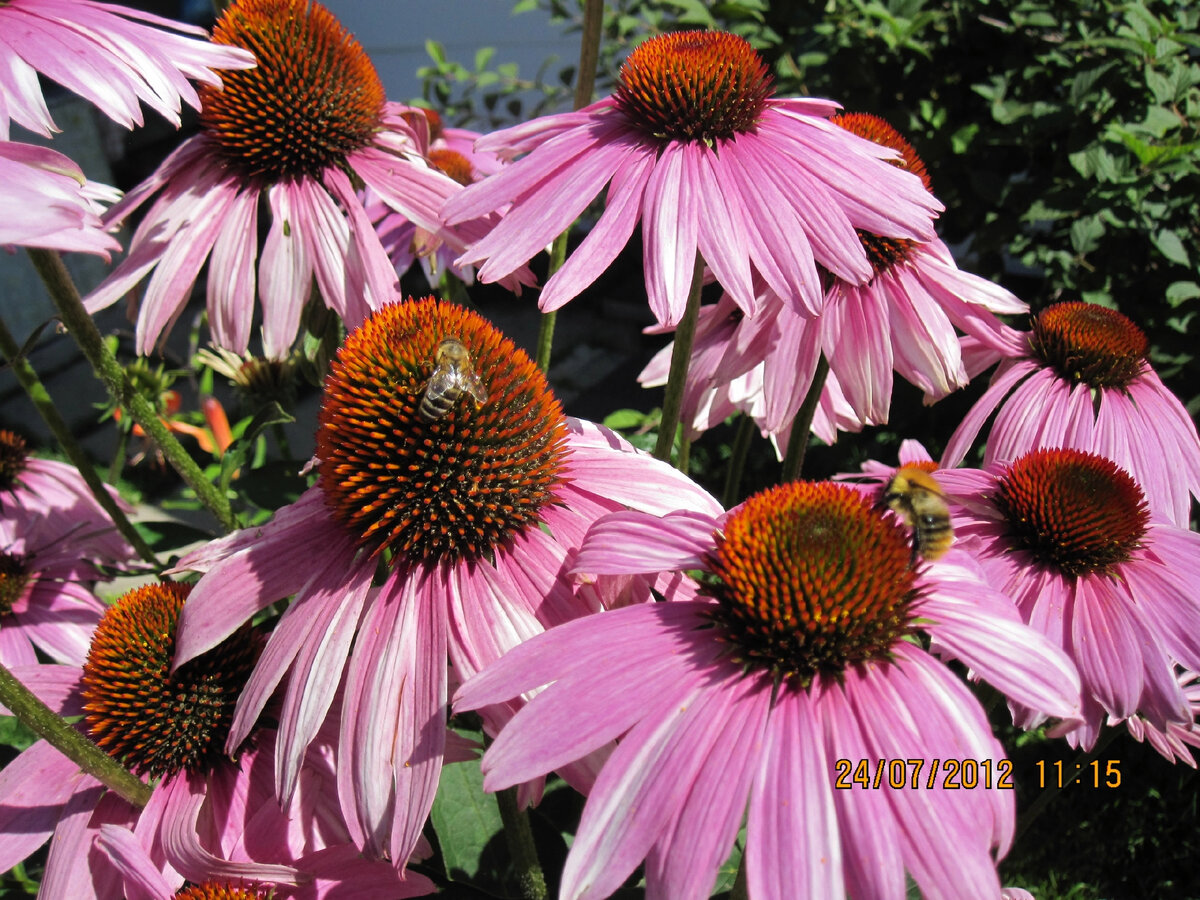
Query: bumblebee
(914, 495)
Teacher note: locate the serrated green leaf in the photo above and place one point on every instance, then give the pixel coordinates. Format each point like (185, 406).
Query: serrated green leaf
(1085, 234)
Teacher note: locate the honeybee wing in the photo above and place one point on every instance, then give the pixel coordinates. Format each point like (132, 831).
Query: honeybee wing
(473, 385)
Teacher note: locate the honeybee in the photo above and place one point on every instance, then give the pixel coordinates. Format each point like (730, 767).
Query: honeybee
(453, 375)
(917, 498)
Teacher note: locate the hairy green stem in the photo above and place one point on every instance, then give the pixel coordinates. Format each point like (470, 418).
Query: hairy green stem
(26, 706)
(793, 460)
(737, 461)
(49, 266)
(519, 836)
(40, 397)
(685, 333)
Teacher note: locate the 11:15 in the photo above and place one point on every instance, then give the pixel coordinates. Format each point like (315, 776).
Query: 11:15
(1061, 774)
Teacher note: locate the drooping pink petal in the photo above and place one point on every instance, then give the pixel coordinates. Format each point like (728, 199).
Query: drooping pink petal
(230, 282)
(792, 806)
(276, 570)
(610, 234)
(669, 228)
(685, 860)
(634, 797)
(332, 614)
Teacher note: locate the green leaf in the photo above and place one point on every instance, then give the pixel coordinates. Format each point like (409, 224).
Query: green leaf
(625, 419)
(13, 733)
(1085, 234)
(1179, 292)
(1170, 246)
(436, 51)
(469, 831)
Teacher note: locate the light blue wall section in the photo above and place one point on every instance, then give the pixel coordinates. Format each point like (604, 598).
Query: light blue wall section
(393, 32)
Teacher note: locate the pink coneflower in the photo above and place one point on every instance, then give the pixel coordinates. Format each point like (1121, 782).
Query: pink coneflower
(1080, 379)
(45, 201)
(449, 150)
(1068, 535)
(210, 818)
(153, 723)
(33, 490)
(728, 370)
(299, 133)
(110, 55)
(471, 514)
(56, 544)
(47, 574)
(694, 147)
(799, 671)
(902, 319)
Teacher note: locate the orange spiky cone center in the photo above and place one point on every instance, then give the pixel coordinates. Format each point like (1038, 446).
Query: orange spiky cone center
(313, 98)
(1076, 511)
(812, 578)
(1090, 344)
(454, 486)
(694, 86)
(153, 720)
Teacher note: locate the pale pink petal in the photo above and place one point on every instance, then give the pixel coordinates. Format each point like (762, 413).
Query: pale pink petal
(685, 860)
(284, 278)
(628, 543)
(634, 797)
(1005, 379)
(669, 233)
(630, 476)
(332, 614)
(33, 788)
(622, 211)
(230, 282)
(791, 806)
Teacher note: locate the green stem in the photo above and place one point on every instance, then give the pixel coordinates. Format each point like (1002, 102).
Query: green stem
(118, 460)
(793, 460)
(685, 333)
(519, 836)
(737, 461)
(1046, 797)
(25, 705)
(41, 400)
(62, 291)
(545, 338)
(589, 53)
